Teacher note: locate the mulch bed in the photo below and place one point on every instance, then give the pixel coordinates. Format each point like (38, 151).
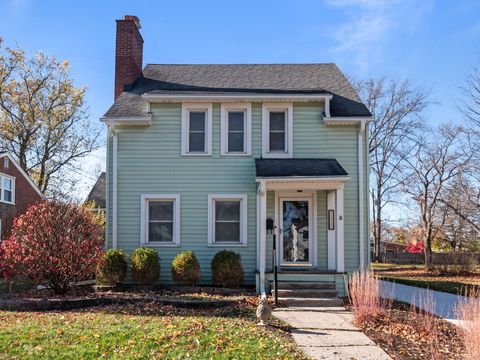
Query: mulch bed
(403, 335)
(81, 297)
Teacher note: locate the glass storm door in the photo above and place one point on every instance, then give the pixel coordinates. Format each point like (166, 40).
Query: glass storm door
(295, 233)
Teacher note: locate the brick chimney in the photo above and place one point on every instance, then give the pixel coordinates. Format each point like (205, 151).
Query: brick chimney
(128, 53)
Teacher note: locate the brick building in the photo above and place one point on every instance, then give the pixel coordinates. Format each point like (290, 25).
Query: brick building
(17, 192)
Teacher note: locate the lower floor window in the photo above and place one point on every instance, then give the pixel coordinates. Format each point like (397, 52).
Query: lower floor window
(160, 219)
(227, 219)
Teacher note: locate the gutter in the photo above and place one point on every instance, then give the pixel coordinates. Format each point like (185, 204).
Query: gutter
(239, 97)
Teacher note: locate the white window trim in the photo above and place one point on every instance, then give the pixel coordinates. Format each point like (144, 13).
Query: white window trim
(243, 219)
(144, 199)
(247, 139)
(186, 108)
(266, 108)
(4, 176)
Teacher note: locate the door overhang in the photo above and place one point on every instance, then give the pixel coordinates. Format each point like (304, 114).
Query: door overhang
(303, 183)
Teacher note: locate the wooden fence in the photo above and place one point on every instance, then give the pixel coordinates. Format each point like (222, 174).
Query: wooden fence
(419, 259)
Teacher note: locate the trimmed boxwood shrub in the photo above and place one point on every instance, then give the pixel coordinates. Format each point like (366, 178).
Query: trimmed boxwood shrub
(227, 269)
(145, 265)
(186, 268)
(111, 268)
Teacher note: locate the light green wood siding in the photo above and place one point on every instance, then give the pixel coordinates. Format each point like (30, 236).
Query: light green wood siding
(149, 161)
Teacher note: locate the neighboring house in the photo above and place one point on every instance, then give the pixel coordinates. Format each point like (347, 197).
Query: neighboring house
(200, 156)
(392, 247)
(17, 192)
(98, 193)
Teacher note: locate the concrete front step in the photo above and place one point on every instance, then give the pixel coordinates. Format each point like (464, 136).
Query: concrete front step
(310, 302)
(324, 285)
(307, 293)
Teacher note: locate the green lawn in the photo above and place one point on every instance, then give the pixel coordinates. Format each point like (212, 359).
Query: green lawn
(416, 275)
(452, 287)
(133, 333)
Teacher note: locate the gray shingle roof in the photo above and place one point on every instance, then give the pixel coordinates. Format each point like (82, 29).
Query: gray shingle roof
(98, 192)
(298, 167)
(235, 78)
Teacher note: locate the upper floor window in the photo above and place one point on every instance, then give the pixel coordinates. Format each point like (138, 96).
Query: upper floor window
(277, 130)
(236, 129)
(6, 162)
(197, 129)
(160, 216)
(7, 189)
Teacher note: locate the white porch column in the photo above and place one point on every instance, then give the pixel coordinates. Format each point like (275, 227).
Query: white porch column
(262, 201)
(340, 231)
(331, 233)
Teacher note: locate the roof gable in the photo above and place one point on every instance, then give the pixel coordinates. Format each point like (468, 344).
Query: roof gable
(98, 192)
(23, 172)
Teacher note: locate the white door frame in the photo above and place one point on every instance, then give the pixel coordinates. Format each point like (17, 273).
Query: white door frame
(311, 197)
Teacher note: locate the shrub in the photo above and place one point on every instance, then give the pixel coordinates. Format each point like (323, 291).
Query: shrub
(469, 312)
(364, 291)
(415, 248)
(186, 269)
(52, 244)
(145, 265)
(112, 267)
(227, 269)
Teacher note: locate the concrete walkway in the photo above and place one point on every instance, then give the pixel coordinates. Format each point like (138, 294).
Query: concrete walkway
(328, 333)
(445, 303)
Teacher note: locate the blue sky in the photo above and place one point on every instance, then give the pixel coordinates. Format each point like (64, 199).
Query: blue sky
(432, 43)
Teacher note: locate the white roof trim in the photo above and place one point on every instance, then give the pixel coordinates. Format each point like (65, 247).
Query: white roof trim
(347, 120)
(235, 97)
(303, 178)
(141, 120)
(23, 172)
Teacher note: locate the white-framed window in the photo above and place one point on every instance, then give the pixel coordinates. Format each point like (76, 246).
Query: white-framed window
(236, 129)
(160, 220)
(227, 220)
(6, 162)
(277, 130)
(196, 129)
(7, 189)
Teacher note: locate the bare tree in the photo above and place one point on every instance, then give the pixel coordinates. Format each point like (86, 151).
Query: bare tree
(470, 106)
(396, 108)
(43, 120)
(440, 156)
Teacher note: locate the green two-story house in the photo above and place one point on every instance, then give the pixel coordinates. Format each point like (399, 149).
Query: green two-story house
(233, 156)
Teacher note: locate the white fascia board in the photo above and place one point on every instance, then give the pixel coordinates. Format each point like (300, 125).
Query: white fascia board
(304, 178)
(236, 97)
(347, 120)
(143, 120)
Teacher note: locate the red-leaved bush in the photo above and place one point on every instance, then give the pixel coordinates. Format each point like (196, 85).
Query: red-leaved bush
(52, 244)
(417, 248)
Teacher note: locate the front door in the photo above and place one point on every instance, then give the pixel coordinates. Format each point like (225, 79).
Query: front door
(295, 233)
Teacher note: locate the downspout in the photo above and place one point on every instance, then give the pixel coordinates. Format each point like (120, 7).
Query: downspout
(263, 246)
(361, 190)
(114, 184)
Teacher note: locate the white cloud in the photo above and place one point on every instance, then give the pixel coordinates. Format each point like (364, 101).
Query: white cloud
(368, 25)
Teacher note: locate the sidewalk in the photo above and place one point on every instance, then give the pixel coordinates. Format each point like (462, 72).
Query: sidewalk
(445, 303)
(328, 333)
